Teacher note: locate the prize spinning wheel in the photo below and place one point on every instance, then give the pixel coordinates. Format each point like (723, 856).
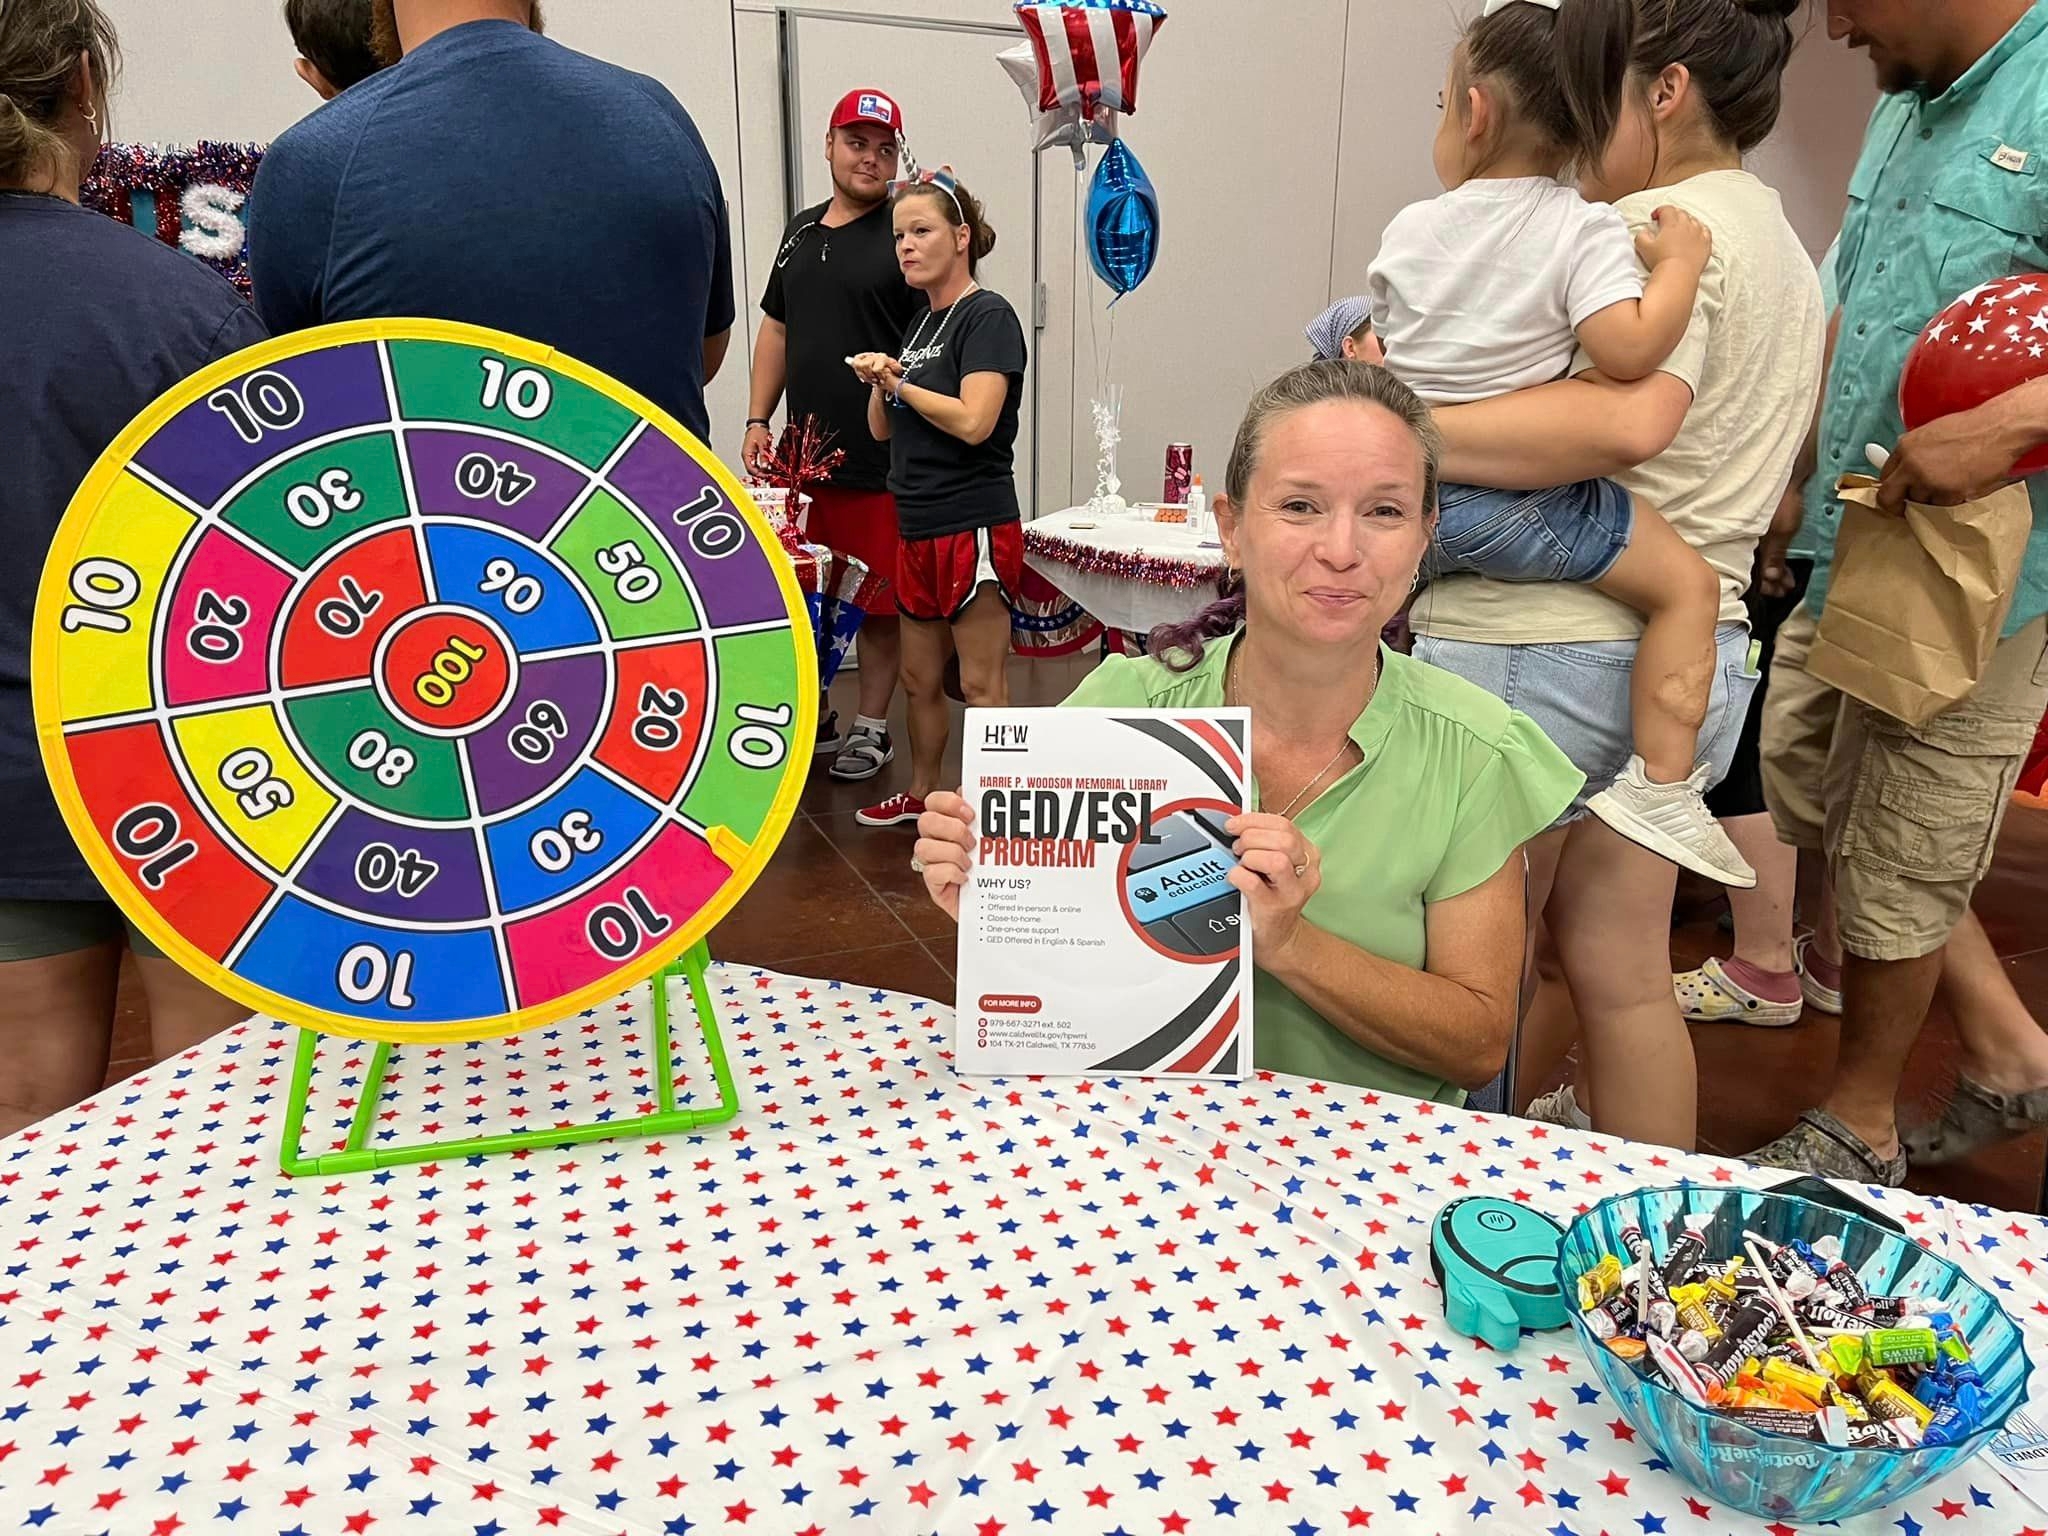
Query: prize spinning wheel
(408, 681)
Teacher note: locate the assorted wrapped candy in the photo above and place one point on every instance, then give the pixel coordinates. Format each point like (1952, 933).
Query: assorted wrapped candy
(1784, 1338)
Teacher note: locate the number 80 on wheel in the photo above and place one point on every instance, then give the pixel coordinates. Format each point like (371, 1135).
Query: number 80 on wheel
(409, 681)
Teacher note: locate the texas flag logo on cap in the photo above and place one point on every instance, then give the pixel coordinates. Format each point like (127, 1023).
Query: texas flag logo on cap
(868, 107)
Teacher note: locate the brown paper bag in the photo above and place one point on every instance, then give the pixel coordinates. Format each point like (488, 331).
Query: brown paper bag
(1917, 601)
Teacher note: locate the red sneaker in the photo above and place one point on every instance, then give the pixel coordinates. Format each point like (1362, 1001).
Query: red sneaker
(892, 812)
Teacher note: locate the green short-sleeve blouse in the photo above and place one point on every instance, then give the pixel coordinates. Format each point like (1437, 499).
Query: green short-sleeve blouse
(1453, 782)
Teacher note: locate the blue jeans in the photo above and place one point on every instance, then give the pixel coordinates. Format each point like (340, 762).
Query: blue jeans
(1579, 695)
(1569, 533)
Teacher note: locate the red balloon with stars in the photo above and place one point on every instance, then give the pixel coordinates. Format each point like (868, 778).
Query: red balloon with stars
(1992, 339)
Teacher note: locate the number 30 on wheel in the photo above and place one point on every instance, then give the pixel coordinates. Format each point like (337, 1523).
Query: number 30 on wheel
(413, 682)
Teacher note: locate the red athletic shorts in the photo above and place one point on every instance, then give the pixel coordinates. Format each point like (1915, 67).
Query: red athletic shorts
(857, 523)
(937, 578)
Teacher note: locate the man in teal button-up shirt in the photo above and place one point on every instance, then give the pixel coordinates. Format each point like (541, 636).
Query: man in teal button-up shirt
(1951, 193)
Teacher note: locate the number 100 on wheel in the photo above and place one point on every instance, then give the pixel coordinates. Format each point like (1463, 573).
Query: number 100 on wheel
(408, 681)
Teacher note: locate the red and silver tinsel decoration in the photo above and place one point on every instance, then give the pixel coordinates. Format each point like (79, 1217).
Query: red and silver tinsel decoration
(190, 198)
(1125, 566)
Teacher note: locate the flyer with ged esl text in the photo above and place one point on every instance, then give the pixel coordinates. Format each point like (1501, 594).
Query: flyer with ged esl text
(1099, 930)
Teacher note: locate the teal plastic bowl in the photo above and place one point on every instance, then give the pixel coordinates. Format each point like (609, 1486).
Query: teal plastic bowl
(1782, 1477)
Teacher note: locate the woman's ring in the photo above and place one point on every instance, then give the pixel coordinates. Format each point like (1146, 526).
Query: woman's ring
(1300, 870)
(916, 865)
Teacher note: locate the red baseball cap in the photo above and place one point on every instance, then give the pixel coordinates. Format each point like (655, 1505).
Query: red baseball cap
(868, 107)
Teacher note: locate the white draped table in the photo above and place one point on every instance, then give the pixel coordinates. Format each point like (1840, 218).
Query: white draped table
(1128, 571)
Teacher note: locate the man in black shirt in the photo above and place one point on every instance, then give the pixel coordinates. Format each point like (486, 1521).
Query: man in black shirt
(836, 291)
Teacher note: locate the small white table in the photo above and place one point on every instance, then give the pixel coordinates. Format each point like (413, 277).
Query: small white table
(1087, 558)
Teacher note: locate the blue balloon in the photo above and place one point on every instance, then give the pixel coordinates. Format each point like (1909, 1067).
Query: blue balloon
(1123, 220)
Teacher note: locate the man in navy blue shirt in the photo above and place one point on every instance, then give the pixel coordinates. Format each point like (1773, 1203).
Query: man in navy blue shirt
(493, 176)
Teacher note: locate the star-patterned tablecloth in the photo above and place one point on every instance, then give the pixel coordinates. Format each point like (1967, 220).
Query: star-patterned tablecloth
(884, 1299)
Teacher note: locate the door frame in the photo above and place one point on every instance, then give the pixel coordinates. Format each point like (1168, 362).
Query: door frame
(786, 19)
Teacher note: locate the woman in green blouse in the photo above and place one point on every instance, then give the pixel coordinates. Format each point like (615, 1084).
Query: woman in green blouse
(1382, 872)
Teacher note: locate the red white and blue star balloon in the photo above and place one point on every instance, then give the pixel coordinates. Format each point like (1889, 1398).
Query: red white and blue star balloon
(1088, 51)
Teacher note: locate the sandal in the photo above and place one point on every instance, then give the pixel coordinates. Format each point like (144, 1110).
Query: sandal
(829, 738)
(1818, 1143)
(1974, 1117)
(866, 753)
(1710, 995)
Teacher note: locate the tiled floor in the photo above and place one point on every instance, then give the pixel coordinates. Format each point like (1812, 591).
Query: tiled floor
(1754, 1081)
(839, 900)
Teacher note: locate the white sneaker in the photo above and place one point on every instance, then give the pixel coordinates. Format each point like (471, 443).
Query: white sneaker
(1559, 1107)
(1672, 820)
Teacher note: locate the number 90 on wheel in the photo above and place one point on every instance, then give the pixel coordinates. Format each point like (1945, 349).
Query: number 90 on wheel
(409, 681)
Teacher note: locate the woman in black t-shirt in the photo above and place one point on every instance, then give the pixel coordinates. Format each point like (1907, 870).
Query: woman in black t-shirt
(96, 321)
(947, 407)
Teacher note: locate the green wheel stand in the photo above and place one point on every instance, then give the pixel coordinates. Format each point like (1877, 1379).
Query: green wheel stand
(667, 1120)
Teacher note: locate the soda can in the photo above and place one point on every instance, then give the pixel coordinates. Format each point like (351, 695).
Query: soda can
(1180, 473)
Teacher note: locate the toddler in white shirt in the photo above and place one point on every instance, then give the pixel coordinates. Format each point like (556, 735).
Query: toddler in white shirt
(1499, 285)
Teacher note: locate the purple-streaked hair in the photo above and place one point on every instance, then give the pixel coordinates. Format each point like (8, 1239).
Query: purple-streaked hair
(1179, 647)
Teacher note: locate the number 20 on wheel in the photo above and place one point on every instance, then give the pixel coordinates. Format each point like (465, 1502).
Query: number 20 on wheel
(410, 681)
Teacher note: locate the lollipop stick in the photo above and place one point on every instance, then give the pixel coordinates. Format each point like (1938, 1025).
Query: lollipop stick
(1756, 1257)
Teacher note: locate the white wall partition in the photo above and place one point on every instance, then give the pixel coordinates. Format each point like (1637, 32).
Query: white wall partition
(222, 69)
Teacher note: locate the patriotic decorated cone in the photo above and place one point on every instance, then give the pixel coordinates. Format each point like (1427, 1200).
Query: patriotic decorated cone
(837, 588)
(846, 592)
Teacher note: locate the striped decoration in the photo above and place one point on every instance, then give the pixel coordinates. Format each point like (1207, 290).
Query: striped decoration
(1089, 50)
